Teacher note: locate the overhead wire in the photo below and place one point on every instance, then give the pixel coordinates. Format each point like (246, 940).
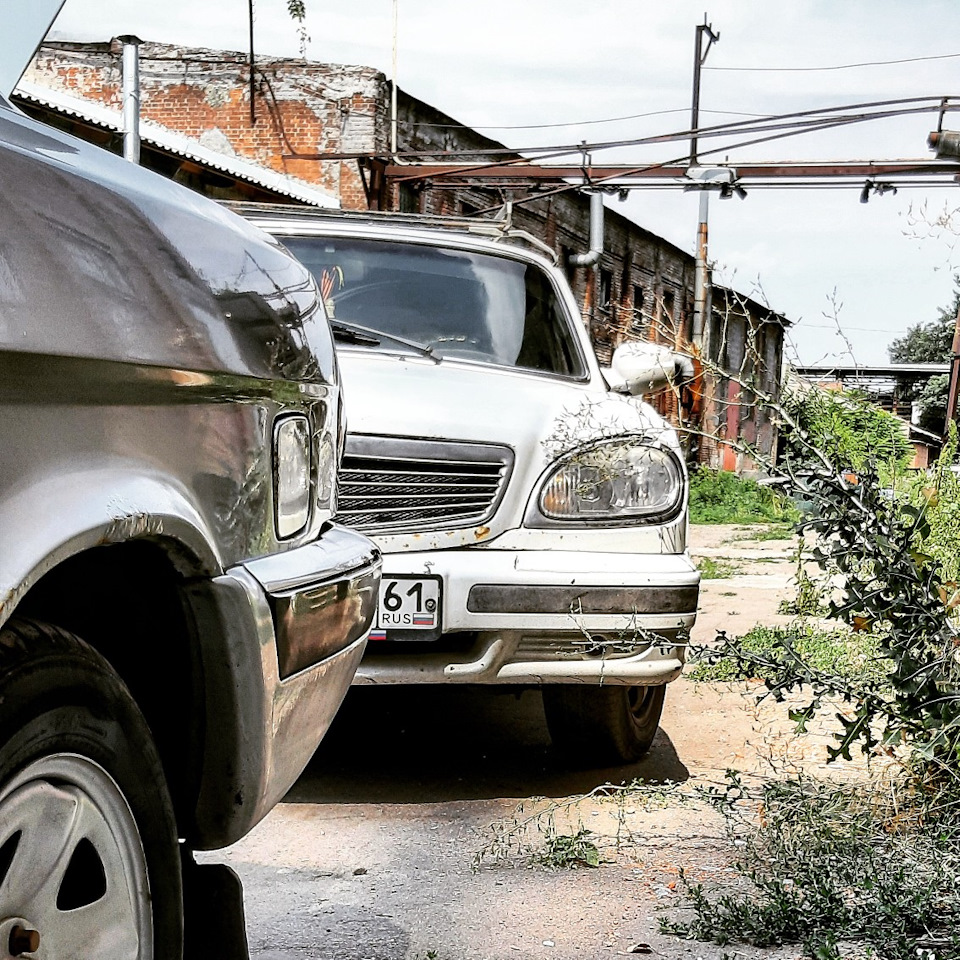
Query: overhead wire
(839, 66)
(657, 113)
(565, 188)
(933, 104)
(576, 123)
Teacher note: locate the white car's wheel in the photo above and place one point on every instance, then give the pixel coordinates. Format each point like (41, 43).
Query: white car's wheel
(89, 864)
(603, 725)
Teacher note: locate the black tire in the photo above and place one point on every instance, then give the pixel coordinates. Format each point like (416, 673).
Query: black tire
(83, 803)
(603, 725)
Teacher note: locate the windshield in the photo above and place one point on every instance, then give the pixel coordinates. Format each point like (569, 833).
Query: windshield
(452, 303)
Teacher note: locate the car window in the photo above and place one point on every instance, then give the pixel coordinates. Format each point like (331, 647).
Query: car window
(458, 303)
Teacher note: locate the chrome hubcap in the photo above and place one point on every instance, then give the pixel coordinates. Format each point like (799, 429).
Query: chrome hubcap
(73, 875)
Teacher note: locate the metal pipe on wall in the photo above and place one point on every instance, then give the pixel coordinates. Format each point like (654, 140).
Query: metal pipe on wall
(131, 97)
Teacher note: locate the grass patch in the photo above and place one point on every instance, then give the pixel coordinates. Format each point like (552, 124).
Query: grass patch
(776, 531)
(839, 651)
(718, 496)
(711, 569)
(823, 865)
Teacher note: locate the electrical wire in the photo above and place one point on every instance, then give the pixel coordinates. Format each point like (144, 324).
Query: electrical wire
(565, 188)
(577, 123)
(868, 110)
(839, 66)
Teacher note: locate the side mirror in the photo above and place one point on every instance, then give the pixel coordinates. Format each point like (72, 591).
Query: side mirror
(639, 367)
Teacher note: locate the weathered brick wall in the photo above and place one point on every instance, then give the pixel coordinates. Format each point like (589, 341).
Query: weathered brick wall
(299, 107)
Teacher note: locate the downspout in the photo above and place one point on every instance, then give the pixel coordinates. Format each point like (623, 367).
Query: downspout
(393, 91)
(596, 235)
(131, 97)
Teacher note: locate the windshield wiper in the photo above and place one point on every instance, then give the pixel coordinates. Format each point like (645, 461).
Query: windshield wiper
(354, 333)
(348, 335)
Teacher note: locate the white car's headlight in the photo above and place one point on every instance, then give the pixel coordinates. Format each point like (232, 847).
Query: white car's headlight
(613, 480)
(291, 475)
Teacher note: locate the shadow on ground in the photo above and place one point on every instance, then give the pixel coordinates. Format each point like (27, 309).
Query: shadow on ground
(436, 744)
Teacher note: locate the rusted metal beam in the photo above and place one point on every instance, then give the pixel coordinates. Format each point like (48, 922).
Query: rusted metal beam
(854, 169)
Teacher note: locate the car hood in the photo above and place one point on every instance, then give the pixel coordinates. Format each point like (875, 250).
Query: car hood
(540, 417)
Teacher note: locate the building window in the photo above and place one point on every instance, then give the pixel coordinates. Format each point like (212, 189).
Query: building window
(606, 289)
(468, 209)
(409, 198)
(638, 323)
(669, 308)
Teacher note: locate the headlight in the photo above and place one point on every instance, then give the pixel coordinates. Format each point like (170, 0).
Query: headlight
(291, 475)
(613, 480)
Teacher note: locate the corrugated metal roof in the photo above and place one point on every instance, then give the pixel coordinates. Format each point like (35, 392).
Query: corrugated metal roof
(175, 143)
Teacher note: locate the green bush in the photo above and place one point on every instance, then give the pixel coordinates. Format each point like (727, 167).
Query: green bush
(718, 496)
(849, 430)
(937, 495)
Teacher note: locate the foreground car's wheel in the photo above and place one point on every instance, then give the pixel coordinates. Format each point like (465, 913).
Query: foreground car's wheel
(89, 865)
(605, 724)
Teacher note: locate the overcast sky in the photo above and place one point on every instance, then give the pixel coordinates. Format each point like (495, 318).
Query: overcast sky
(512, 67)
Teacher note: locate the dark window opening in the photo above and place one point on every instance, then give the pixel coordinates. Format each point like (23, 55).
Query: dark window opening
(606, 289)
(638, 323)
(409, 198)
(669, 308)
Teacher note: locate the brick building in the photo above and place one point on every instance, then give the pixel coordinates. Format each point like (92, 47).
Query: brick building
(328, 128)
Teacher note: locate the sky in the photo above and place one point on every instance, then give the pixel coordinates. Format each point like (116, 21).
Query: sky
(850, 276)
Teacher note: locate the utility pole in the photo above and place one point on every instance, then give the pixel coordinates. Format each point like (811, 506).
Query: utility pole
(699, 56)
(701, 293)
(946, 145)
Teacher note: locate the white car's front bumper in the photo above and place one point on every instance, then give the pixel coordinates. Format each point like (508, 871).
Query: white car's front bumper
(545, 616)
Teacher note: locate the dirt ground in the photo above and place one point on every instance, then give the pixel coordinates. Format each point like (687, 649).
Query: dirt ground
(372, 854)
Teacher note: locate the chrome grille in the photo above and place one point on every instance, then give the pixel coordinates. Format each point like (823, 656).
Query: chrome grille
(396, 484)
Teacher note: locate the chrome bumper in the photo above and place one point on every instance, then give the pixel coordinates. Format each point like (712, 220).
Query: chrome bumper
(546, 616)
(281, 638)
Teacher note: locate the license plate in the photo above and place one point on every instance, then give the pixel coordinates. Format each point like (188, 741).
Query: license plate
(409, 609)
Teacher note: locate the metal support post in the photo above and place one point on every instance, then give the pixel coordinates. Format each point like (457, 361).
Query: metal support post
(954, 377)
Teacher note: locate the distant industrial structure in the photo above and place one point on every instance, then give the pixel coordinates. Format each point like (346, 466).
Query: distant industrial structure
(890, 386)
